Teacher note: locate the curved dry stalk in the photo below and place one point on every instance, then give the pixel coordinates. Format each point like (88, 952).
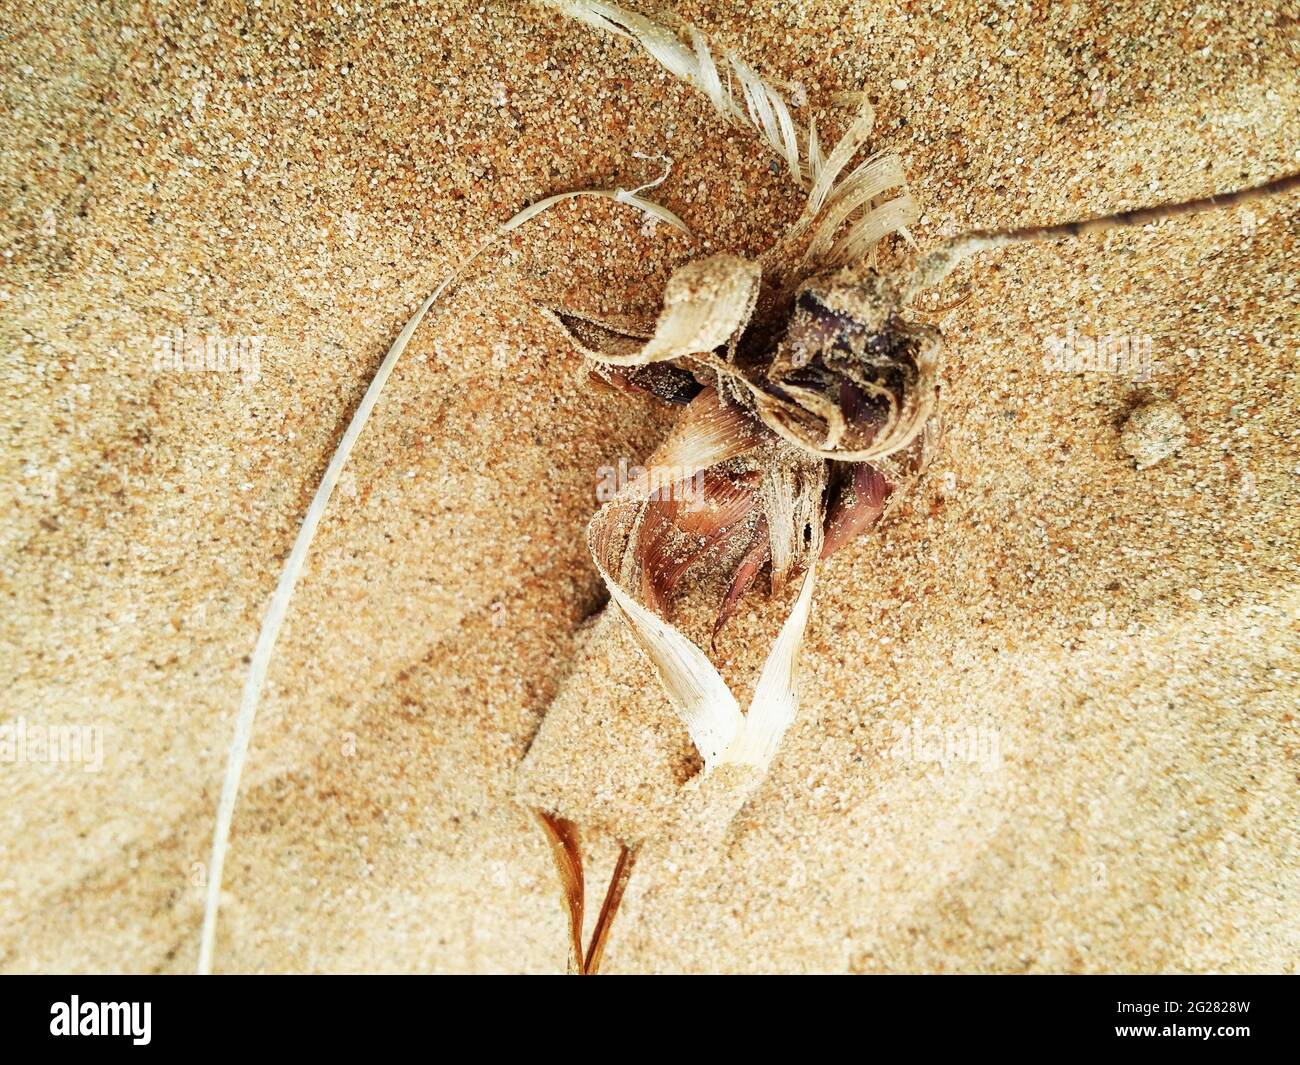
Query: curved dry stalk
(274, 620)
(275, 614)
(931, 270)
(566, 852)
(609, 909)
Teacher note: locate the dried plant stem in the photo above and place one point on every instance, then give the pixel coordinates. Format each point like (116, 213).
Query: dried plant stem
(613, 896)
(275, 614)
(933, 268)
(274, 620)
(1146, 215)
(566, 852)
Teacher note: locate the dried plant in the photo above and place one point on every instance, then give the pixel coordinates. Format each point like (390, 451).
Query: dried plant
(293, 566)
(566, 850)
(809, 407)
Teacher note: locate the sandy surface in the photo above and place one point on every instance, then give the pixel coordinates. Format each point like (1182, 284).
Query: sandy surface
(1122, 643)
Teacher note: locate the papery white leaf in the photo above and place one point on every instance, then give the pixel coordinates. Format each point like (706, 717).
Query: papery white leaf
(888, 218)
(873, 177)
(776, 697)
(694, 687)
(706, 303)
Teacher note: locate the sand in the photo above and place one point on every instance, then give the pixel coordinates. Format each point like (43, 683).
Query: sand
(1119, 646)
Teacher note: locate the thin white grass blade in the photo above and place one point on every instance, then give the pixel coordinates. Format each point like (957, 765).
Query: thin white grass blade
(845, 148)
(655, 39)
(873, 177)
(789, 134)
(757, 102)
(273, 621)
(816, 158)
(887, 218)
(769, 114)
(709, 81)
(590, 14)
(654, 210)
(884, 167)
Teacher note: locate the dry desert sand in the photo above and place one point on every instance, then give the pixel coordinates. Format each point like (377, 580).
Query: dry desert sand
(1122, 644)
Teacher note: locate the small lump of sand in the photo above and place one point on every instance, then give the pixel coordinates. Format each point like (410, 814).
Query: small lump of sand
(1153, 432)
